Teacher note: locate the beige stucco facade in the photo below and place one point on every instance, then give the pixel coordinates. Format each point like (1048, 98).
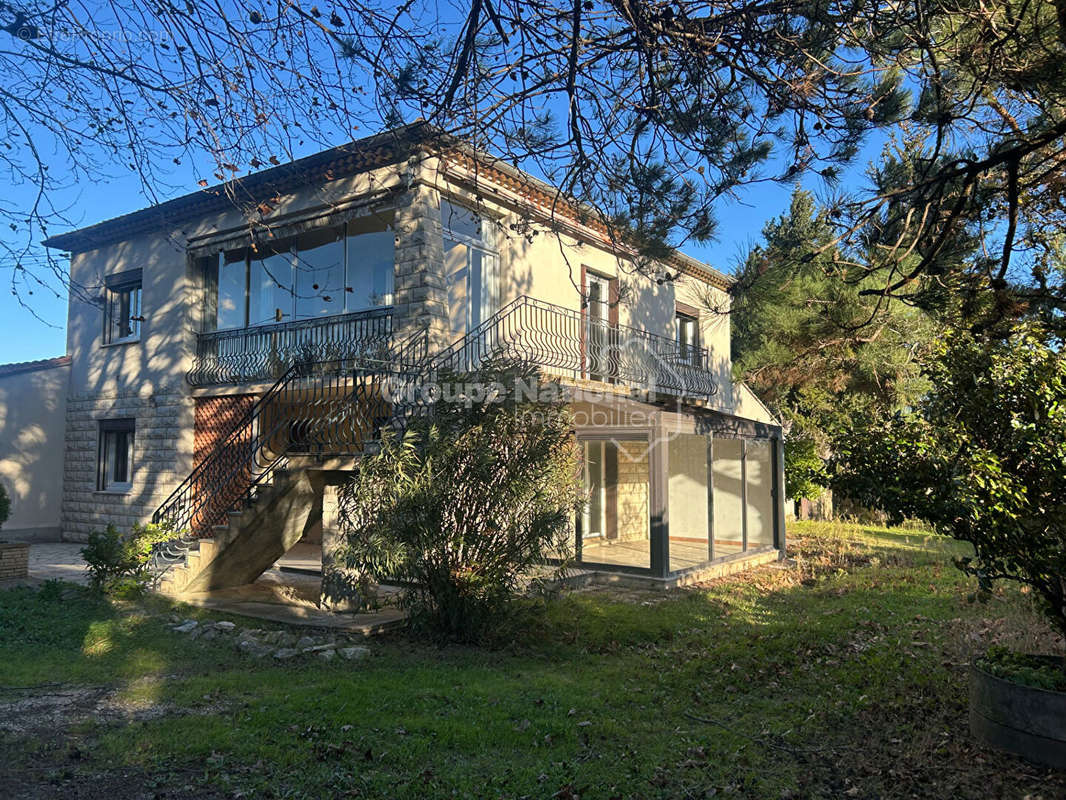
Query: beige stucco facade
(33, 401)
(540, 254)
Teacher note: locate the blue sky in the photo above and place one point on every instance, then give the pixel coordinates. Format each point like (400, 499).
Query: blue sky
(27, 334)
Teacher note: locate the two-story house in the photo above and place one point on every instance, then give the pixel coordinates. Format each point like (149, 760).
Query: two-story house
(243, 334)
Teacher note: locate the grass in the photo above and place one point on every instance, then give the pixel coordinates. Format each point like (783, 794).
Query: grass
(844, 674)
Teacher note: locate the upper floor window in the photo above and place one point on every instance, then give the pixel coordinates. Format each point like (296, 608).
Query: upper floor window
(320, 273)
(688, 334)
(122, 307)
(471, 267)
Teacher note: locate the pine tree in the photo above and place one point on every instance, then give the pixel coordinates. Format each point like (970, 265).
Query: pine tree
(815, 349)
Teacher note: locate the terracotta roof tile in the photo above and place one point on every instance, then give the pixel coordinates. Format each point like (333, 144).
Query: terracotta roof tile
(33, 366)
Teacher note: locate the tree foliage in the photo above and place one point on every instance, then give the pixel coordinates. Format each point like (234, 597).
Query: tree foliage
(5, 505)
(117, 561)
(466, 502)
(815, 349)
(982, 458)
(652, 111)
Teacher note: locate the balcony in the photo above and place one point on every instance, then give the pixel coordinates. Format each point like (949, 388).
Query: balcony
(264, 352)
(567, 343)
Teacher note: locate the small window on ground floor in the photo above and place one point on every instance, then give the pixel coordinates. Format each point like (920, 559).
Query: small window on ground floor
(115, 467)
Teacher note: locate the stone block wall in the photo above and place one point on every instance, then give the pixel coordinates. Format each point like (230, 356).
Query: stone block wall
(420, 298)
(633, 499)
(162, 457)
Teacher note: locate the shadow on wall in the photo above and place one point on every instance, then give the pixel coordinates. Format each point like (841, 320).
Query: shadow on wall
(32, 432)
(143, 379)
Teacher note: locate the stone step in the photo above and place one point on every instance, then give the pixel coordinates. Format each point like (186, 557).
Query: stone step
(254, 520)
(207, 548)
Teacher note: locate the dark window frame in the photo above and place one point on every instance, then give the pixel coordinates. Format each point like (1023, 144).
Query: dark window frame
(115, 441)
(126, 285)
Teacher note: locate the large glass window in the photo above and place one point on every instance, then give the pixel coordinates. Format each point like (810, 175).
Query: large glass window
(320, 273)
(371, 247)
(689, 504)
(728, 484)
(319, 266)
(470, 266)
(270, 286)
(616, 523)
(231, 287)
(759, 478)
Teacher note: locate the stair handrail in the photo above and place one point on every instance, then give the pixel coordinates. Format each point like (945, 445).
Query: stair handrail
(411, 352)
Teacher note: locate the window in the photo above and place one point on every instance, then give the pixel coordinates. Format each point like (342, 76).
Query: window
(690, 500)
(270, 286)
(115, 458)
(122, 308)
(370, 257)
(320, 273)
(688, 336)
(727, 467)
(598, 336)
(471, 268)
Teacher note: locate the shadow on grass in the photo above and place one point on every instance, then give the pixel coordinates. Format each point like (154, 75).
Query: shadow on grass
(848, 674)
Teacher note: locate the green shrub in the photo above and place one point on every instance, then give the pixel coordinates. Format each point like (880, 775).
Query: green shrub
(466, 503)
(118, 562)
(5, 505)
(1028, 670)
(981, 459)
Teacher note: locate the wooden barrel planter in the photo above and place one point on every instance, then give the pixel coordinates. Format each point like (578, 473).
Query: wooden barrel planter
(1024, 720)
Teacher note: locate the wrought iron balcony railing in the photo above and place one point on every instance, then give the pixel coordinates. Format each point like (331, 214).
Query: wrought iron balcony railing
(569, 343)
(265, 352)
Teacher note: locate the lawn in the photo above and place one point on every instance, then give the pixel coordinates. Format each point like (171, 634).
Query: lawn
(842, 674)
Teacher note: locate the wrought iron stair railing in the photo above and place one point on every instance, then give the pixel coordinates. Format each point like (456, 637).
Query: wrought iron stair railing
(333, 406)
(567, 342)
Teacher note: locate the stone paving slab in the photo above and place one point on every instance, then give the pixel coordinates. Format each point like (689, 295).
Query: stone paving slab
(58, 561)
(365, 624)
(291, 599)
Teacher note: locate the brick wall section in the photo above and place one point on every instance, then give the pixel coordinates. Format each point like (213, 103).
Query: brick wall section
(14, 560)
(215, 420)
(162, 456)
(633, 495)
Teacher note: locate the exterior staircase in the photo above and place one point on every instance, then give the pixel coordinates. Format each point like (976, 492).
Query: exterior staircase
(251, 499)
(250, 541)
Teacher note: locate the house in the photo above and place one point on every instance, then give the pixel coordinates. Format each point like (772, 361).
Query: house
(214, 383)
